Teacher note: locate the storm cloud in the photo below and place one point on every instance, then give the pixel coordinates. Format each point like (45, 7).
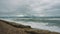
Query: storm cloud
(30, 7)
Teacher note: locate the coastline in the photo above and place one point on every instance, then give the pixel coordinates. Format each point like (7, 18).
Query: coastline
(7, 27)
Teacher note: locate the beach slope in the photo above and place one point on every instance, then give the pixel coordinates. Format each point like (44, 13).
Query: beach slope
(14, 28)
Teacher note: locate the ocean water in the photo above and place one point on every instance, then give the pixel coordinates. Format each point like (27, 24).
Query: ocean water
(52, 24)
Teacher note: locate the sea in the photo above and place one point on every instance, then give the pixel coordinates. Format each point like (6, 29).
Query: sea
(44, 23)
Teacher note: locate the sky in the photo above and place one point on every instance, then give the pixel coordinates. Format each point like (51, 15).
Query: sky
(30, 7)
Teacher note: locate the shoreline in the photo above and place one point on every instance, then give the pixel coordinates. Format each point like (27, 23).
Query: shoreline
(24, 23)
(20, 27)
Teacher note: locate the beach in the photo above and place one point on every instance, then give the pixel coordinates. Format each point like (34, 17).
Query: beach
(7, 27)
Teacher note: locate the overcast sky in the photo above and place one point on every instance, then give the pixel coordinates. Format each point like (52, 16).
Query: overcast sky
(30, 7)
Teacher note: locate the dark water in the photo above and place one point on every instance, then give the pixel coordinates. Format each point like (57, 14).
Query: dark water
(50, 21)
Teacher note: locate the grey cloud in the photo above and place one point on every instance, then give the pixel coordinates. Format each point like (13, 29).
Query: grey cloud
(30, 7)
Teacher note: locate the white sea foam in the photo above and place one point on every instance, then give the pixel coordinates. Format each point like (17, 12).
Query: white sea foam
(42, 26)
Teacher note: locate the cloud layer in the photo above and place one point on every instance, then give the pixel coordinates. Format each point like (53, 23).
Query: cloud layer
(30, 7)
